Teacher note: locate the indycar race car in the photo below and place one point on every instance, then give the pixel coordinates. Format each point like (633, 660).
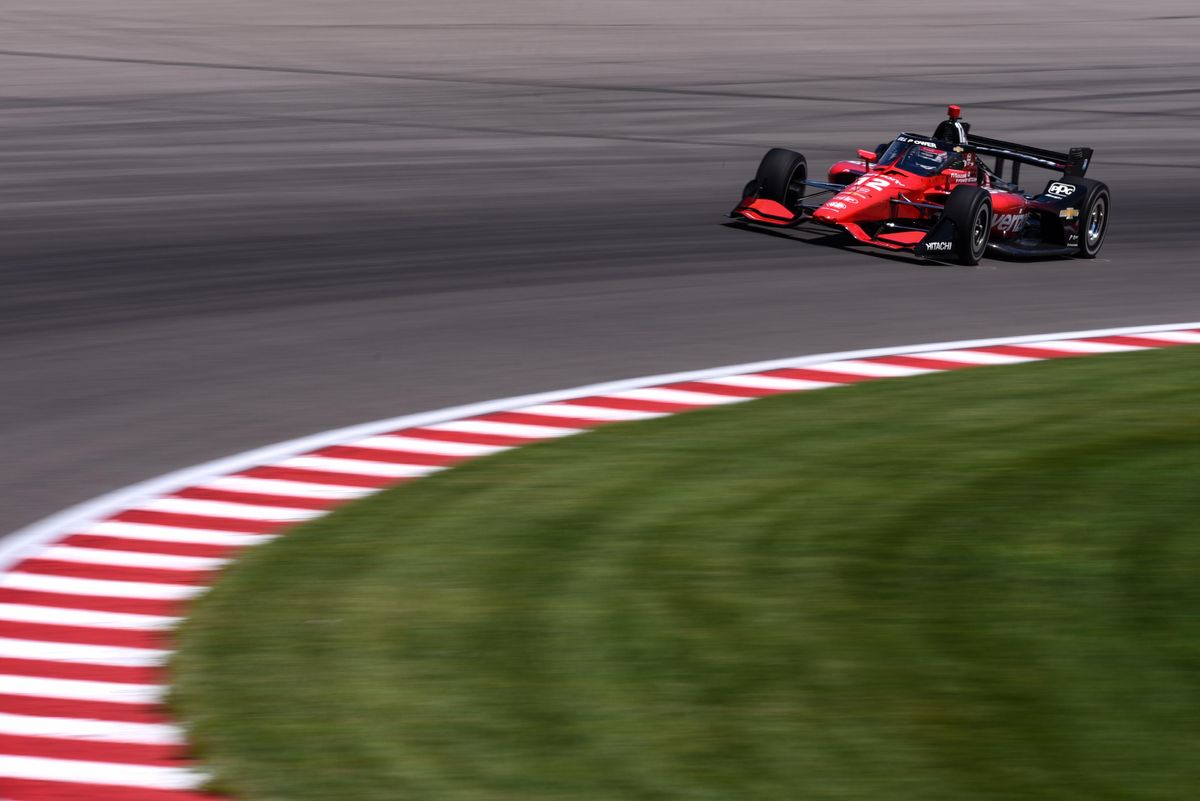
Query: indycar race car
(935, 196)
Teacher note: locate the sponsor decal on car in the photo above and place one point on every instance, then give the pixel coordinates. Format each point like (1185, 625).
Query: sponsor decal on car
(1059, 189)
(1006, 223)
(836, 204)
(1069, 214)
(877, 182)
(914, 140)
(938, 245)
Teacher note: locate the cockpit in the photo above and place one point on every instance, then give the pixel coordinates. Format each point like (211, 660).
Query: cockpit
(923, 157)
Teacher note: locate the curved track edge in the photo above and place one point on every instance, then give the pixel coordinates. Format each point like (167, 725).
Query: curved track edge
(89, 596)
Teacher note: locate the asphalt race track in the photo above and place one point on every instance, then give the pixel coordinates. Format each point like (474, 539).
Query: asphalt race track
(227, 223)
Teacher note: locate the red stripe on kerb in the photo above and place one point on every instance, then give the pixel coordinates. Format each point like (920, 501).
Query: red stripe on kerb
(234, 524)
(547, 421)
(83, 635)
(922, 362)
(89, 710)
(95, 603)
(320, 477)
(257, 499)
(470, 438)
(387, 455)
(47, 669)
(150, 575)
(1140, 341)
(724, 389)
(30, 790)
(636, 405)
(103, 542)
(1031, 353)
(805, 374)
(92, 750)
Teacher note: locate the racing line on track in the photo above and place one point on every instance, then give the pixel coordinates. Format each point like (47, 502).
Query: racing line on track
(88, 598)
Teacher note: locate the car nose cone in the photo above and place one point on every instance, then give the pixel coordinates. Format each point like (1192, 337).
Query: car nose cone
(832, 211)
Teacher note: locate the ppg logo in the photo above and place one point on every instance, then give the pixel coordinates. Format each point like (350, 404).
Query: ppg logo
(1060, 190)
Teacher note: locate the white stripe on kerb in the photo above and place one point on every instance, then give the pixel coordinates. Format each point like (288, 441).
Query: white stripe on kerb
(973, 357)
(436, 447)
(77, 653)
(1075, 346)
(119, 774)
(58, 616)
(870, 369)
(504, 429)
(680, 396)
(358, 467)
(292, 489)
(121, 558)
(67, 585)
(239, 511)
(771, 382)
(192, 536)
(96, 731)
(1186, 337)
(77, 690)
(581, 412)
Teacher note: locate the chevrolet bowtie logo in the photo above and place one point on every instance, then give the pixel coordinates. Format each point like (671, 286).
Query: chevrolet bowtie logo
(1069, 214)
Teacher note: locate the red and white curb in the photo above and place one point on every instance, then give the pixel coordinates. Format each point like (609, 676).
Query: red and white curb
(88, 597)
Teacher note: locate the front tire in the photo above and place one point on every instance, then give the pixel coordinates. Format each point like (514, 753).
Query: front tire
(970, 209)
(781, 176)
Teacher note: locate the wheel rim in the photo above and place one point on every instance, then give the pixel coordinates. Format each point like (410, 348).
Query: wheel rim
(795, 185)
(979, 230)
(1096, 220)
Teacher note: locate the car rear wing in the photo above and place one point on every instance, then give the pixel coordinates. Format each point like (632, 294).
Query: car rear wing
(1072, 164)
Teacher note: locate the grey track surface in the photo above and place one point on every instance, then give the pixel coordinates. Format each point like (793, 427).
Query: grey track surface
(230, 223)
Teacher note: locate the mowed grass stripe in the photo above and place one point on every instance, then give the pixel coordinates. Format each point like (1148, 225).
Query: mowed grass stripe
(972, 585)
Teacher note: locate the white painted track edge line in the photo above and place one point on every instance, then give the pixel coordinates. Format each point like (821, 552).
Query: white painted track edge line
(16, 546)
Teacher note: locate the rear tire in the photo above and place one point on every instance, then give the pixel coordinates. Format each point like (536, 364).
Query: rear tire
(1093, 217)
(781, 176)
(1092, 202)
(970, 209)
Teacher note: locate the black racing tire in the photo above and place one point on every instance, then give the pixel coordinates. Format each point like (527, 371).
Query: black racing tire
(970, 209)
(750, 189)
(1093, 217)
(1092, 202)
(781, 176)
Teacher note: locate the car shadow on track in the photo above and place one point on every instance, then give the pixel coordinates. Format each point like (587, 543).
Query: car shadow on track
(840, 240)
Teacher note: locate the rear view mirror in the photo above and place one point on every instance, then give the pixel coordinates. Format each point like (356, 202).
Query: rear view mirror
(867, 155)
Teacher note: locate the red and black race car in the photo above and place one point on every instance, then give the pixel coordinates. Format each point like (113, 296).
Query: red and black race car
(935, 196)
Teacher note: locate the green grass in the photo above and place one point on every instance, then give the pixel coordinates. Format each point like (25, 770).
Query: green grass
(978, 585)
